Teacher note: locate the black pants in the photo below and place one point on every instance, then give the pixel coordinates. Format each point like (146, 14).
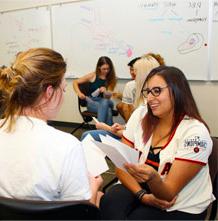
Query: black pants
(120, 204)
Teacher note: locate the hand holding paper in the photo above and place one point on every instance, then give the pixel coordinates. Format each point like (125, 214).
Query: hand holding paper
(118, 152)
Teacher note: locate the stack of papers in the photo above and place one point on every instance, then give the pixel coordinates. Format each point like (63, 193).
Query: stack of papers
(118, 152)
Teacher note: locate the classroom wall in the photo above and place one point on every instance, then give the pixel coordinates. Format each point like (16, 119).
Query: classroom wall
(205, 93)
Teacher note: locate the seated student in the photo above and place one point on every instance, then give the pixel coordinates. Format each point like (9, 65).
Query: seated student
(37, 161)
(102, 83)
(142, 67)
(172, 178)
(125, 107)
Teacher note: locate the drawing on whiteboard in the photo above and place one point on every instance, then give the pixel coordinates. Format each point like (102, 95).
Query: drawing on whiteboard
(193, 42)
(103, 38)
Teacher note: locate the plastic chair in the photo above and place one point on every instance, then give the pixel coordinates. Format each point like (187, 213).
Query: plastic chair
(16, 209)
(85, 114)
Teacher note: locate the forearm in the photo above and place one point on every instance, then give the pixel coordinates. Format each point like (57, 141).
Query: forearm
(161, 189)
(76, 87)
(128, 181)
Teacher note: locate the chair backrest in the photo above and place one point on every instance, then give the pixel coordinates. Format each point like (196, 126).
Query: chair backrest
(213, 159)
(84, 88)
(15, 209)
(213, 166)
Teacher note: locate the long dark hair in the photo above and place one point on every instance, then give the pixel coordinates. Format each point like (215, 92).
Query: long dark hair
(184, 103)
(111, 76)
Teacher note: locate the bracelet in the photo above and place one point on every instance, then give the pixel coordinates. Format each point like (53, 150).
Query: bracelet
(140, 194)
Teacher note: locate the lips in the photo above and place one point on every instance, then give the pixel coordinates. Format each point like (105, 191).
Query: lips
(153, 106)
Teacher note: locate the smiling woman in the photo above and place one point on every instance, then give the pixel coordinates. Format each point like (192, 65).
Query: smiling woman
(171, 180)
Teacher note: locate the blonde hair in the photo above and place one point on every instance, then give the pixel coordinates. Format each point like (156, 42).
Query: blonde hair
(143, 66)
(22, 84)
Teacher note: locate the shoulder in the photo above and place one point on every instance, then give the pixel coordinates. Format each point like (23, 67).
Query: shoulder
(140, 111)
(130, 84)
(88, 77)
(188, 125)
(92, 76)
(57, 140)
(64, 137)
(192, 131)
(136, 117)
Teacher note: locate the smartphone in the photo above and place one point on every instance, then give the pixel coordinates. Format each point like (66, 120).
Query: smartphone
(96, 121)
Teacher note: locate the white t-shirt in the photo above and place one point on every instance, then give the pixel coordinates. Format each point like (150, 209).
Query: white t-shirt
(190, 142)
(40, 162)
(129, 92)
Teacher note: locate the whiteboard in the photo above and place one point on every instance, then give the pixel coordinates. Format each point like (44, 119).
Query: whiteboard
(214, 43)
(123, 29)
(23, 29)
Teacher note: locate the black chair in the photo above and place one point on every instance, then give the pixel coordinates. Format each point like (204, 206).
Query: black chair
(85, 114)
(16, 209)
(213, 166)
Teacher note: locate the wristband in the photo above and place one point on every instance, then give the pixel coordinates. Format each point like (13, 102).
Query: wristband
(140, 194)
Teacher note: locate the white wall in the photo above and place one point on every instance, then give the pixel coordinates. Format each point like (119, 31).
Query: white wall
(205, 93)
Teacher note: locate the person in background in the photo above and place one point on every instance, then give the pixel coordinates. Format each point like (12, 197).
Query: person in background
(37, 161)
(171, 180)
(142, 67)
(125, 107)
(102, 84)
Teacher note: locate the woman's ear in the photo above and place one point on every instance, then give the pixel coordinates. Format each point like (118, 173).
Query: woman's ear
(49, 92)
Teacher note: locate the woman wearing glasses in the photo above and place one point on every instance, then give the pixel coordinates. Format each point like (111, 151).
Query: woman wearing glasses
(172, 178)
(102, 83)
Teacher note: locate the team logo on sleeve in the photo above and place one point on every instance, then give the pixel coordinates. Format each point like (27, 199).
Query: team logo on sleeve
(196, 144)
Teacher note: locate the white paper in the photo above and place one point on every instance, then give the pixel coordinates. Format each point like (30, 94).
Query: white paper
(95, 158)
(131, 154)
(118, 153)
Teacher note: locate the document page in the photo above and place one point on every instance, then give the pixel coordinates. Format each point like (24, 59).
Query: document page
(95, 157)
(118, 152)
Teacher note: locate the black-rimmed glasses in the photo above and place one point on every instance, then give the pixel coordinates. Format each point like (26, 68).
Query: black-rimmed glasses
(155, 91)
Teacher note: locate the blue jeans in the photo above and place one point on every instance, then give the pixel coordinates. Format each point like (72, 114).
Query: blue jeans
(103, 107)
(95, 134)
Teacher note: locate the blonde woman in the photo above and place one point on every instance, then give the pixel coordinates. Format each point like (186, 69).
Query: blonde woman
(142, 68)
(37, 161)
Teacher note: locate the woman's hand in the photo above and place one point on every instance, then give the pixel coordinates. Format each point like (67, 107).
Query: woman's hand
(142, 172)
(116, 127)
(82, 96)
(95, 183)
(151, 200)
(102, 89)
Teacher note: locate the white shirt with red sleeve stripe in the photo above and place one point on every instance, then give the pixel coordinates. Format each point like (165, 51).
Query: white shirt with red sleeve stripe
(190, 142)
